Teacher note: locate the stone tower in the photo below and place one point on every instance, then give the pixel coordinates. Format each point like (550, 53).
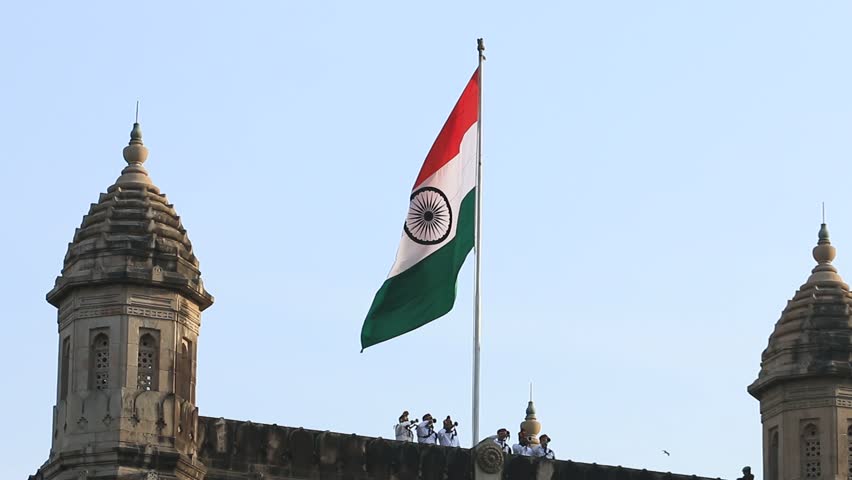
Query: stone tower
(805, 380)
(129, 302)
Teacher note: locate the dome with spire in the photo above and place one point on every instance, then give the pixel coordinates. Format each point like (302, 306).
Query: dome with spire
(812, 337)
(132, 235)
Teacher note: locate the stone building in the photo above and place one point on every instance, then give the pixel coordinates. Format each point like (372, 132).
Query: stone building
(129, 301)
(805, 380)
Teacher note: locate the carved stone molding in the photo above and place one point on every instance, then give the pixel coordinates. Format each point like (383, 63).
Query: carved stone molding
(489, 458)
(150, 313)
(152, 301)
(157, 313)
(803, 404)
(105, 299)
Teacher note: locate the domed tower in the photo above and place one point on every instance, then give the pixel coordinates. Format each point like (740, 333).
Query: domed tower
(129, 302)
(805, 380)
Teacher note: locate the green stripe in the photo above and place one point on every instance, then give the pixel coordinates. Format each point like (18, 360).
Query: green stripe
(425, 291)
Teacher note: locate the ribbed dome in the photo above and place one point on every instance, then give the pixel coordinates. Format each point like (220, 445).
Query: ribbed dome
(812, 337)
(132, 235)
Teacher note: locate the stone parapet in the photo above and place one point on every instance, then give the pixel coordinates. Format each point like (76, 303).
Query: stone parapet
(235, 450)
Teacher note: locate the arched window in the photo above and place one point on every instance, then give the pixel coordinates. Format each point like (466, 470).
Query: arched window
(99, 377)
(773, 455)
(63, 368)
(184, 371)
(147, 362)
(811, 452)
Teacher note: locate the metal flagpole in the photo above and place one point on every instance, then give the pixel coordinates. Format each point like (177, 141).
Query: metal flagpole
(477, 300)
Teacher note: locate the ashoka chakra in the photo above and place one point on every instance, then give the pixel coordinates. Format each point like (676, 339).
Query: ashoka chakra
(429, 216)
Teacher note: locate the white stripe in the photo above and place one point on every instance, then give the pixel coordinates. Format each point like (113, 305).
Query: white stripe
(456, 179)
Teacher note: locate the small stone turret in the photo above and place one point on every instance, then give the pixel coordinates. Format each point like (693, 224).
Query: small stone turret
(805, 380)
(129, 302)
(531, 424)
(132, 235)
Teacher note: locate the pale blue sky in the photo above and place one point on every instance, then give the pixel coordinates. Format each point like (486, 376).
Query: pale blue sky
(654, 172)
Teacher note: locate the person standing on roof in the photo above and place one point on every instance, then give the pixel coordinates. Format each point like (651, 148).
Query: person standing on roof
(542, 450)
(448, 436)
(403, 429)
(523, 447)
(502, 440)
(426, 430)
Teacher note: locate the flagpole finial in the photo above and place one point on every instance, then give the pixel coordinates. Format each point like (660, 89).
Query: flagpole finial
(480, 47)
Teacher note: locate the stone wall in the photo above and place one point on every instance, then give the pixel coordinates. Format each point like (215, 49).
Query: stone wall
(234, 450)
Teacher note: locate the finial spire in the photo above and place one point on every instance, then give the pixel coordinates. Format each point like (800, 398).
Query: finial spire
(824, 254)
(135, 151)
(135, 154)
(531, 406)
(531, 424)
(824, 238)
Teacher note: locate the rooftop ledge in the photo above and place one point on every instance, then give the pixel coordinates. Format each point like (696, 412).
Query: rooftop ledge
(232, 449)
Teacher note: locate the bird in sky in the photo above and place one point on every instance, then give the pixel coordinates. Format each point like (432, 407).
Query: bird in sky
(667, 453)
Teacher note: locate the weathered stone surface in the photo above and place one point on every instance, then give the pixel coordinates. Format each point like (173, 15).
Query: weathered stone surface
(805, 380)
(129, 305)
(257, 452)
(132, 235)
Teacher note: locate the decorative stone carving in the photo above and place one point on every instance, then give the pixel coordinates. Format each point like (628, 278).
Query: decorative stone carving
(132, 235)
(531, 424)
(150, 312)
(221, 435)
(489, 458)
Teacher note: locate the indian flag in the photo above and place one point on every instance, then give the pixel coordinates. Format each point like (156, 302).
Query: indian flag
(438, 232)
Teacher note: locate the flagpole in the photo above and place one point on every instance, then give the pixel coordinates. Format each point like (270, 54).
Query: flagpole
(477, 300)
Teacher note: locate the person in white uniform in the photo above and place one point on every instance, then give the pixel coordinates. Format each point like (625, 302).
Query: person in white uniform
(542, 450)
(426, 430)
(502, 440)
(448, 436)
(404, 429)
(523, 447)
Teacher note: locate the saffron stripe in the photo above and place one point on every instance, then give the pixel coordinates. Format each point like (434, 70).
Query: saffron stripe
(446, 146)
